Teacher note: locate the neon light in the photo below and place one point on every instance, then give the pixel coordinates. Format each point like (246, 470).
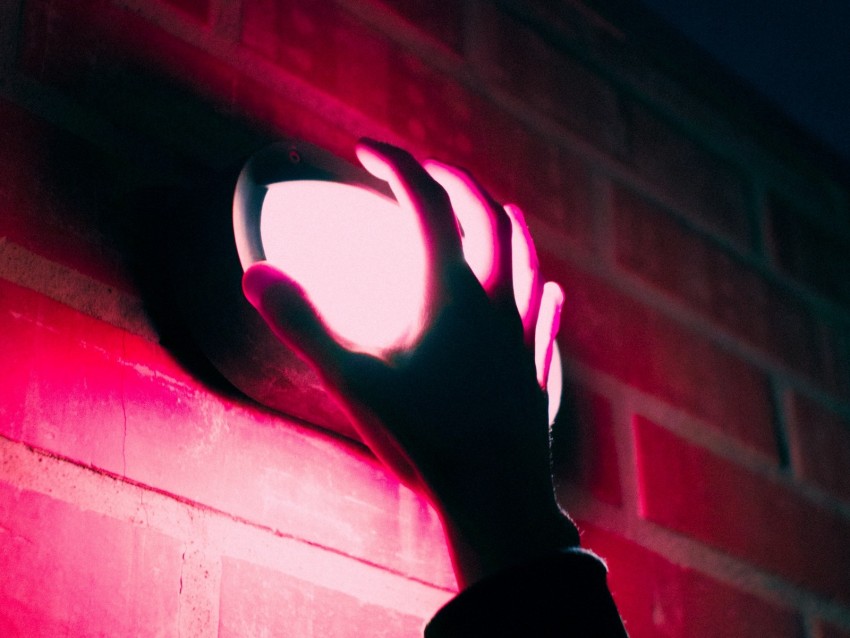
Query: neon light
(358, 255)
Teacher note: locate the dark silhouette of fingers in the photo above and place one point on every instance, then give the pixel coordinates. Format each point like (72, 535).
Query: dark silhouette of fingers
(527, 283)
(485, 229)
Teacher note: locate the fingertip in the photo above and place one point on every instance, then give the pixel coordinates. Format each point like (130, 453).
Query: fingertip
(555, 294)
(440, 170)
(258, 279)
(379, 158)
(431, 162)
(553, 302)
(516, 213)
(371, 159)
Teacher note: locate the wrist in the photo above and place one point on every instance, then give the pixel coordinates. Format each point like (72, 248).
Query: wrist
(493, 541)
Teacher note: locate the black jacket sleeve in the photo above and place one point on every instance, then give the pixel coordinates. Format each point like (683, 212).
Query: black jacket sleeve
(562, 595)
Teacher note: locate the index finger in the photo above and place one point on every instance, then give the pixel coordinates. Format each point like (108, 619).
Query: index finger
(528, 286)
(485, 229)
(417, 191)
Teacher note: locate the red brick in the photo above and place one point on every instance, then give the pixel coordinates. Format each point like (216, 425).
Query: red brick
(365, 70)
(435, 114)
(584, 451)
(287, 33)
(55, 196)
(665, 253)
(87, 391)
(659, 599)
(516, 164)
(695, 179)
(640, 346)
(809, 252)
(429, 109)
(443, 20)
(138, 77)
(362, 68)
(549, 183)
(279, 112)
(67, 391)
(120, 63)
(522, 62)
(82, 47)
(76, 573)
(352, 63)
(759, 520)
(258, 601)
(198, 9)
(820, 445)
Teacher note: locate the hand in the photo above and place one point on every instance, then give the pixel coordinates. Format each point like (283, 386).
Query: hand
(461, 416)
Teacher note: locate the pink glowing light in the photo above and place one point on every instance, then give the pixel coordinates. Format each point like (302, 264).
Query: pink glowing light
(359, 256)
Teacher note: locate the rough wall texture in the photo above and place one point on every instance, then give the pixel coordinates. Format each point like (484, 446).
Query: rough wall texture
(704, 444)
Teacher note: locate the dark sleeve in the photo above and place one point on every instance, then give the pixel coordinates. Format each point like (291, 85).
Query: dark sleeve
(564, 595)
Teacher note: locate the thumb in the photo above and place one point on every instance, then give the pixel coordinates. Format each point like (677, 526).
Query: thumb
(286, 308)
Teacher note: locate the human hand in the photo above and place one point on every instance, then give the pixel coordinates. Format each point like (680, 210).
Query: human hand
(462, 415)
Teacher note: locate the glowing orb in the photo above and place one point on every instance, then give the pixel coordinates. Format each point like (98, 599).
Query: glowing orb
(356, 253)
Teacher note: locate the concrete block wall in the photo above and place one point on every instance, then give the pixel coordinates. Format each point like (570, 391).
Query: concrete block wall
(704, 442)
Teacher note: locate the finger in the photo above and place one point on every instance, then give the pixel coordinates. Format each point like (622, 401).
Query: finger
(350, 377)
(286, 308)
(548, 322)
(555, 383)
(485, 228)
(416, 191)
(527, 283)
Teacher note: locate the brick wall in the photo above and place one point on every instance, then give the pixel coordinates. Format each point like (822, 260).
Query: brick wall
(704, 442)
